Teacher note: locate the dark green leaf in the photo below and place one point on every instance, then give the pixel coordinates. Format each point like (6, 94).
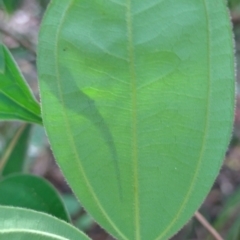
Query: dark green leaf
(16, 99)
(44, 3)
(233, 3)
(12, 5)
(33, 193)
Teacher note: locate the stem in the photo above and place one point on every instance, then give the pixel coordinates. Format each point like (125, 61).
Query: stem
(208, 226)
(11, 146)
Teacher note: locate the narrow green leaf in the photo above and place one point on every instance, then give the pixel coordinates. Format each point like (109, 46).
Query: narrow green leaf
(14, 163)
(16, 99)
(2, 60)
(234, 231)
(34, 193)
(228, 220)
(138, 104)
(24, 221)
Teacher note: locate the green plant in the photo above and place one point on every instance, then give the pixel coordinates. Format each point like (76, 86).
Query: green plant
(137, 101)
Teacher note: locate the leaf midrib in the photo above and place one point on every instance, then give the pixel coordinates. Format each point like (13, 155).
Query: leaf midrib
(134, 145)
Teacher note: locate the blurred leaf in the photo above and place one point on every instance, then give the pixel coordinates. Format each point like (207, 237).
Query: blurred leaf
(188, 231)
(38, 137)
(15, 161)
(23, 221)
(11, 5)
(16, 99)
(234, 231)
(84, 222)
(233, 3)
(44, 3)
(135, 95)
(71, 203)
(38, 145)
(228, 220)
(20, 53)
(33, 193)
(2, 60)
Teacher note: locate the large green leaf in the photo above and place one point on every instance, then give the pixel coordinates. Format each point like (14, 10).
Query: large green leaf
(33, 193)
(21, 223)
(16, 99)
(13, 159)
(138, 102)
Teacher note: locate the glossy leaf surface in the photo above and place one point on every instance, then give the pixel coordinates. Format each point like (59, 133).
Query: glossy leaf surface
(14, 162)
(138, 102)
(16, 99)
(34, 193)
(22, 223)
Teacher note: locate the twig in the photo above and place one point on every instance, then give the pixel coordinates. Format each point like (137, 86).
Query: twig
(208, 226)
(24, 43)
(11, 146)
